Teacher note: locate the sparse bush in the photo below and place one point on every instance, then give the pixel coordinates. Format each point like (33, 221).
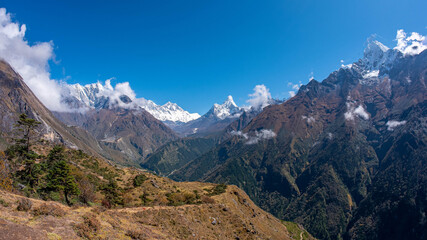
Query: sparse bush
(136, 234)
(49, 210)
(161, 199)
(196, 193)
(87, 191)
(207, 199)
(144, 199)
(89, 228)
(5, 177)
(4, 203)
(139, 180)
(179, 198)
(105, 203)
(218, 189)
(99, 209)
(24, 204)
(127, 200)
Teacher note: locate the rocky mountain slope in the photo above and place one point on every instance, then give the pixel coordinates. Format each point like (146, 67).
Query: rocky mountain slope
(119, 122)
(17, 98)
(326, 157)
(128, 135)
(176, 154)
(125, 135)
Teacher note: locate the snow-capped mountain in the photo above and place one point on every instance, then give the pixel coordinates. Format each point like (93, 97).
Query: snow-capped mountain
(98, 96)
(228, 109)
(216, 119)
(167, 112)
(378, 59)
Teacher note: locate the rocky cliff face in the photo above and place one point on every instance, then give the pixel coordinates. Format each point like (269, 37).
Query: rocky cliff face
(335, 147)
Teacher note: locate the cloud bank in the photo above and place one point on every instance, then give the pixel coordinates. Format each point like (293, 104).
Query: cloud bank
(30, 61)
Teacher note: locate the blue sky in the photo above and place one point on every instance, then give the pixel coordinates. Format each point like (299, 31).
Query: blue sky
(196, 53)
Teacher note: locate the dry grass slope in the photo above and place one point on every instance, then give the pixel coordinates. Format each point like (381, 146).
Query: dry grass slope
(230, 215)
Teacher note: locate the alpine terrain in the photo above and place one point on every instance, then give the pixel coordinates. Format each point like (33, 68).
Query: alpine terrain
(47, 166)
(345, 157)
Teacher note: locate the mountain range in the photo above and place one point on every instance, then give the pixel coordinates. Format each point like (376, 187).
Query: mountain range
(169, 210)
(344, 157)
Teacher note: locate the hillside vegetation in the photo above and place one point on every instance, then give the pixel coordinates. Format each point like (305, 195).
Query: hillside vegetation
(53, 192)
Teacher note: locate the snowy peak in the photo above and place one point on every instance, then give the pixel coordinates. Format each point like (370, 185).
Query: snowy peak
(376, 56)
(225, 110)
(230, 102)
(375, 53)
(168, 112)
(98, 96)
(378, 59)
(172, 106)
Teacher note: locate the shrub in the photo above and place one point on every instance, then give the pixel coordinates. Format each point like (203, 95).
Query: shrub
(24, 204)
(112, 194)
(139, 180)
(5, 178)
(4, 203)
(98, 209)
(218, 189)
(179, 198)
(89, 228)
(197, 194)
(144, 199)
(49, 210)
(105, 203)
(136, 234)
(87, 191)
(127, 200)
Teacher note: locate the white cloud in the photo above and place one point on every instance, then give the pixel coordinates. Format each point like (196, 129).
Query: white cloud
(412, 45)
(114, 93)
(30, 61)
(393, 124)
(360, 111)
(295, 87)
(240, 134)
(255, 137)
(309, 119)
(261, 135)
(260, 98)
(352, 112)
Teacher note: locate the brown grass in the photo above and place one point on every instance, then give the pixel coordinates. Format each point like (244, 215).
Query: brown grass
(49, 210)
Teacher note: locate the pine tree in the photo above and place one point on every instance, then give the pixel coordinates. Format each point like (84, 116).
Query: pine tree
(112, 194)
(59, 178)
(26, 127)
(31, 171)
